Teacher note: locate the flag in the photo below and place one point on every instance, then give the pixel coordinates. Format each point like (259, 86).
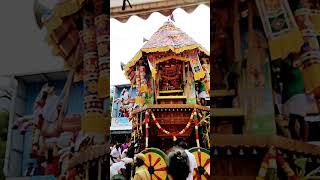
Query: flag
(122, 65)
(153, 70)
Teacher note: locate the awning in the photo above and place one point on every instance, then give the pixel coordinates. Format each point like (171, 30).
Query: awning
(144, 8)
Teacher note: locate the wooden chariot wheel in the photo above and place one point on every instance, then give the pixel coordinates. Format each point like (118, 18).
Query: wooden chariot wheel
(203, 161)
(156, 163)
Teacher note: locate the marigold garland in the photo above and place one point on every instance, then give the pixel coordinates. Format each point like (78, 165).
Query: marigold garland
(270, 161)
(174, 134)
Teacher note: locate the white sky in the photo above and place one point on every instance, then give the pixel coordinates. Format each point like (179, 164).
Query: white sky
(127, 38)
(22, 45)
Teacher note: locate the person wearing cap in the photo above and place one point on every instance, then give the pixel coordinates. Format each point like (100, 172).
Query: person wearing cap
(141, 172)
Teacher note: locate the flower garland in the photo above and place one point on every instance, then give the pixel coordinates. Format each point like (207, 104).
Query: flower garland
(175, 134)
(270, 161)
(196, 123)
(147, 127)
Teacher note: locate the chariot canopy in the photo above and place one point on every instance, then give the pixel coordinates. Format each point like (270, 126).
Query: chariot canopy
(168, 42)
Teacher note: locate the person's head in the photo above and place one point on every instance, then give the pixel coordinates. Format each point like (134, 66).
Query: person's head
(140, 158)
(118, 145)
(178, 164)
(183, 145)
(41, 116)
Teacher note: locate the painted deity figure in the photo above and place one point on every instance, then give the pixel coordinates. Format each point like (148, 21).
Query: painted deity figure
(127, 104)
(44, 121)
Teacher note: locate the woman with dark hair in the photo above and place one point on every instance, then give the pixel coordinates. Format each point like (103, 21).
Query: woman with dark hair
(178, 164)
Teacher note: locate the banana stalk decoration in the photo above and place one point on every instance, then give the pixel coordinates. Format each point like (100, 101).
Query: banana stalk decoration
(205, 121)
(301, 163)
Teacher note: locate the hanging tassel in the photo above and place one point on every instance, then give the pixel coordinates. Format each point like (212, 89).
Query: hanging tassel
(174, 138)
(241, 152)
(254, 152)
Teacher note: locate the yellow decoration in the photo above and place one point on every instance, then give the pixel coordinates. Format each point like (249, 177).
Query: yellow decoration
(143, 88)
(172, 97)
(199, 75)
(313, 42)
(282, 46)
(207, 85)
(174, 138)
(61, 10)
(163, 59)
(139, 100)
(137, 57)
(154, 73)
(315, 20)
(103, 83)
(92, 87)
(94, 122)
(311, 77)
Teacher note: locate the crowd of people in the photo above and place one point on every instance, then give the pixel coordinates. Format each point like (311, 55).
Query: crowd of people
(127, 163)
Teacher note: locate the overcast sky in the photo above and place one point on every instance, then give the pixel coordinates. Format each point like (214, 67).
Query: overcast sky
(127, 38)
(22, 45)
(23, 49)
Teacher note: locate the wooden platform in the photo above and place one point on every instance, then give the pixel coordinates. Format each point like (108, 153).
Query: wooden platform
(164, 107)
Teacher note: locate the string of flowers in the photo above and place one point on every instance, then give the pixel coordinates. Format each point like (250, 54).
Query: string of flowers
(175, 134)
(197, 128)
(270, 161)
(146, 129)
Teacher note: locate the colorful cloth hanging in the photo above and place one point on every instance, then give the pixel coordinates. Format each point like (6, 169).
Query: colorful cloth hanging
(280, 27)
(197, 70)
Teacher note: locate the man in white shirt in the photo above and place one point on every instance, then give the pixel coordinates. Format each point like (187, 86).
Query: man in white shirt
(192, 160)
(115, 154)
